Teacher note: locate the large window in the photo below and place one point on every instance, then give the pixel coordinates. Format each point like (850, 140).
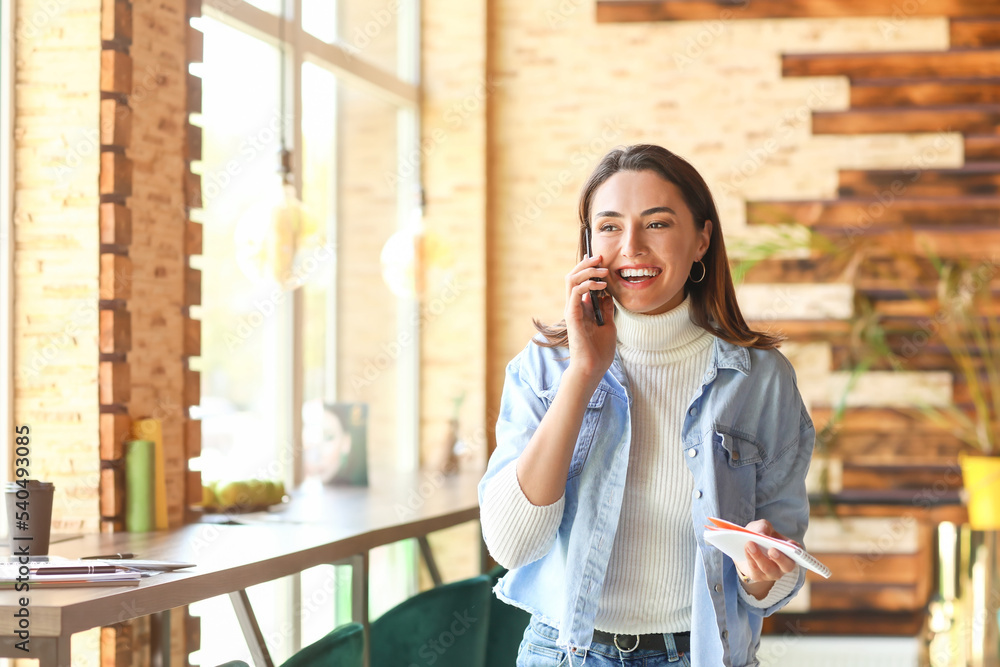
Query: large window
(297, 317)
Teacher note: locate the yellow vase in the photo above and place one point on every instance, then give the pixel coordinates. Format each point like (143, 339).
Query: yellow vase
(981, 476)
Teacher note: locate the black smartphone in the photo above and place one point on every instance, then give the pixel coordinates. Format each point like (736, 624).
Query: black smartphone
(595, 295)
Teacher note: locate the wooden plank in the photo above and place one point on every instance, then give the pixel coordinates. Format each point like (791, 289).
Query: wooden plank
(192, 388)
(195, 45)
(877, 448)
(194, 95)
(976, 120)
(193, 143)
(973, 63)
(192, 238)
(192, 286)
(116, 175)
(192, 438)
(862, 622)
(112, 492)
(803, 330)
(116, 645)
(974, 179)
(192, 487)
(114, 432)
(827, 596)
(192, 337)
(627, 11)
(116, 21)
(192, 190)
(116, 72)
(982, 148)
(865, 212)
(114, 382)
(116, 277)
(974, 33)
(115, 331)
(858, 475)
(859, 569)
(116, 123)
(116, 224)
(112, 525)
(923, 93)
(192, 630)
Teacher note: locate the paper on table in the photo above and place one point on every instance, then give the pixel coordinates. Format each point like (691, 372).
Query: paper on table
(732, 540)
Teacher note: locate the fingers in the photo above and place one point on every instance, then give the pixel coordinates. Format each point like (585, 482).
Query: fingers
(769, 565)
(586, 276)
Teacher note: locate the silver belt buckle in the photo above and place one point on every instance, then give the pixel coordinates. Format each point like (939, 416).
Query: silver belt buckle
(627, 650)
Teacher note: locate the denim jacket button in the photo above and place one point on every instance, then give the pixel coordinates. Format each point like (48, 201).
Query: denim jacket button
(697, 494)
(693, 411)
(725, 634)
(718, 588)
(692, 452)
(736, 456)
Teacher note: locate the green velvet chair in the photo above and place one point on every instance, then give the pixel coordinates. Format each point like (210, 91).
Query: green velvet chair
(507, 625)
(343, 647)
(446, 626)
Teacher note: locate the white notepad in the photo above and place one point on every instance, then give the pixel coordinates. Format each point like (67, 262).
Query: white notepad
(732, 540)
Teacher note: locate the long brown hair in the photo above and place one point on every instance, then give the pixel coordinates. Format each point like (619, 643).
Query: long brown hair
(713, 299)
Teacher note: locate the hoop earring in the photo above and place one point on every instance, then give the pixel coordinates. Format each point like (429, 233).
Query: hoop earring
(704, 272)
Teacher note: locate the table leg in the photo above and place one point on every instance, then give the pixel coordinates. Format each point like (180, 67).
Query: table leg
(251, 631)
(425, 551)
(359, 595)
(159, 631)
(48, 651)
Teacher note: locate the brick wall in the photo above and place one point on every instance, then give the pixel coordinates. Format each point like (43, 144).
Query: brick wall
(159, 217)
(56, 242)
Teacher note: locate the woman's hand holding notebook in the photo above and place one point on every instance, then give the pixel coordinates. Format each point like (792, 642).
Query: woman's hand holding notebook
(732, 540)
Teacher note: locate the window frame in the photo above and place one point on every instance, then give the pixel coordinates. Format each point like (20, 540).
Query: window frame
(7, 15)
(302, 47)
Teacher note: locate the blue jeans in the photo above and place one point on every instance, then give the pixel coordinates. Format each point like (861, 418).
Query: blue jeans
(538, 649)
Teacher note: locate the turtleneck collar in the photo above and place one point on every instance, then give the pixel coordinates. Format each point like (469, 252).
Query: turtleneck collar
(659, 338)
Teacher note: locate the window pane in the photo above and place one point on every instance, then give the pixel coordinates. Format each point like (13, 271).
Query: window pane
(319, 123)
(245, 317)
(369, 345)
(319, 17)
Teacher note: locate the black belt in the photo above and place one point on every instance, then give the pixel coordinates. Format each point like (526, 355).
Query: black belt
(651, 642)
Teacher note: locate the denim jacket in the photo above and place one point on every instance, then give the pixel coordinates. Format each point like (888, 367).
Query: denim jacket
(748, 441)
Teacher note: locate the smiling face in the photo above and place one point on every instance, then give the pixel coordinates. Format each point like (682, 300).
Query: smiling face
(647, 236)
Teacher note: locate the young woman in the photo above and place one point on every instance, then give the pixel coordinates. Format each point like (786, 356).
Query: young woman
(615, 443)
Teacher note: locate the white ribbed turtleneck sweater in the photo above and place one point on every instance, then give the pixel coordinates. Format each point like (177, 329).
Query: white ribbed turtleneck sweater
(650, 576)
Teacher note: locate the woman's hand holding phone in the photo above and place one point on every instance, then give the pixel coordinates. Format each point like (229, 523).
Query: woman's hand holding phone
(591, 346)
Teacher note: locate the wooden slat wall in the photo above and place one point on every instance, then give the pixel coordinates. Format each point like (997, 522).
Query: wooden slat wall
(625, 11)
(893, 221)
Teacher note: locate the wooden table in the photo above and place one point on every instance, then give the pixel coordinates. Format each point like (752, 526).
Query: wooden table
(319, 526)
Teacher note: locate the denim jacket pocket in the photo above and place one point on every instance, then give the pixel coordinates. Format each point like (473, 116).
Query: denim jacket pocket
(739, 450)
(588, 430)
